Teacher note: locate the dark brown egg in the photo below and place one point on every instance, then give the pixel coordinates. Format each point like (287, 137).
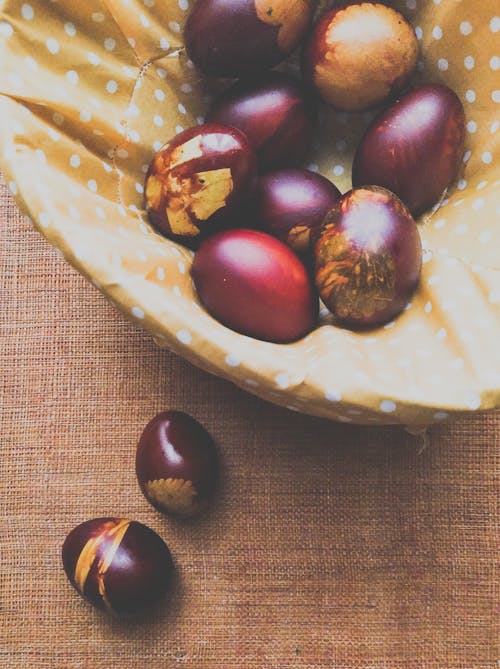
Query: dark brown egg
(360, 55)
(274, 113)
(254, 284)
(176, 464)
(367, 258)
(118, 565)
(415, 147)
(292, 203)
(198, 179)
(238, 38)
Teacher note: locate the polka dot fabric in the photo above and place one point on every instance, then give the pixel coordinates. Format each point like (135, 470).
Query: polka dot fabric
(89, 92)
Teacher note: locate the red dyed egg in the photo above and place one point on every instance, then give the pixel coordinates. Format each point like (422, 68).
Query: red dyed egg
(367, 258)
(415, 147)
(197, 179)
(254, 284)
(176, 463)
(118, 565)
(292, 203)
(238, 38)
(274, 114)
(360, 55)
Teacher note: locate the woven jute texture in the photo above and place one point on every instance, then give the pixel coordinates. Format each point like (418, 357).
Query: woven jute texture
(328, 546)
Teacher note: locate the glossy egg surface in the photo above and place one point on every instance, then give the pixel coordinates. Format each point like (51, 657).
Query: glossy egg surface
(118, 565)
(415, 147)
(238, 38)
(359, 55)
(197, 179)
(276, 115)
(367, 258)
(256, 285)
(176, 463)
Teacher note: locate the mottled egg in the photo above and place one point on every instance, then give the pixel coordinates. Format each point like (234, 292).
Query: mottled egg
(118, 565)
(360, 55)
(197, 179)
(368, 258)
(238, 38)
(176, 463)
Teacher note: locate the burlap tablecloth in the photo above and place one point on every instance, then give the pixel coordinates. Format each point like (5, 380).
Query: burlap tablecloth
(329, 546)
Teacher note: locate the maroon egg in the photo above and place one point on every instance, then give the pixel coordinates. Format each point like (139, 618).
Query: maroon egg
(176, 464)
(367, 258)
(198, 179)
(118, 565)
(360, 55)
(292, 203)
(238, 38)
(254, 284)
(275, 115)
(415, 147)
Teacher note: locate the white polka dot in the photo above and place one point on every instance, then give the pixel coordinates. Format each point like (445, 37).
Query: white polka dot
(472, 126)
(100, 213)
(13, 187)
(72, 77)
(122, 153)
(184, 5)
(158, 120)
(179, 128)
(137, 312)
(333, 395)
(181, 108)
(461, 229)
(387, 406)
(92, 185)
(487, 158)
(473, 401)
(85, 115)
(165, 45)
(109, 44)
(465, 28)
(494, 296)
(433, 280)
(411, 4)
(144, 21)
(131, 41)
(182, 267)
(495, 24)
(282, 380)
(52, 45)
(338, 170)
(495, 95)
(462, 184)
(469, 62)
(440, 223)
(93, 58)
(495, 63)
(112, 86)
(6, 30)
(75, 161)
(159, 95)
(437, 32)
(467, 156)
(443, 64)
(441, 415)
(44, 219)
(184, 336)
(481, 185)
(428, 307)
(470, 95)
(232, 360)
(174, 26)
(31, 64)
(98, 17)
(186, 88)
(27, 12)
(157, 145)
(419, 32)
(70, 29)
(442, 334)
(478, 203)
